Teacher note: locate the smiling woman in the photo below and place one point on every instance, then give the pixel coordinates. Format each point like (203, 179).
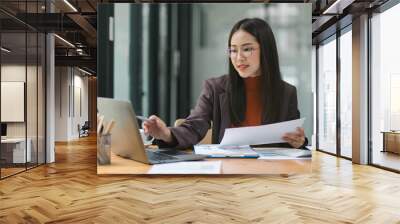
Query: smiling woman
(253, 93)
(263, 64)
(243, 45)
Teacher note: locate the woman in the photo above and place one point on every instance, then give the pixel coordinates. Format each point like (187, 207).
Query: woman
(253, 93)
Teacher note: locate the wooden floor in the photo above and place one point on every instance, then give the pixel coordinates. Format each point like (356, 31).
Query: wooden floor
(10, 171)
(69, 191)
(387, 159)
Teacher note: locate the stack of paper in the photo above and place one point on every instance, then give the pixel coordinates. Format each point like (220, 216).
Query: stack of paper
(263, 134)
(283, 153)
(198, 167)
(217, 151)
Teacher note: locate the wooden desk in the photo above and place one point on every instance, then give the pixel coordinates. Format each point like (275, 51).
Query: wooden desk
(13, 150)
(121, 165)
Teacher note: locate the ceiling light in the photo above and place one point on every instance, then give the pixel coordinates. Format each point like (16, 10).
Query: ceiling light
(338, 6)
(84, 71)
(70, 5)
(79, 51)
(5, 50)
(65, 41)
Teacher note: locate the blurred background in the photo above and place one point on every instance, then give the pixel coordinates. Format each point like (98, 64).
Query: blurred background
(158, 55)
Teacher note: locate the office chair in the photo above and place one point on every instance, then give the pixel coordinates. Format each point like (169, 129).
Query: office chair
(84, 130)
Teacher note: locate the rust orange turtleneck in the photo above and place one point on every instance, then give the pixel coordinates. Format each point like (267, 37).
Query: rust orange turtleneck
(253, 115)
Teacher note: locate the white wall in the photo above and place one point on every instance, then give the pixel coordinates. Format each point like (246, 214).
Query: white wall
(12, 73)
(71, 87)
(61, 103)
(79, 117)
(33, 126)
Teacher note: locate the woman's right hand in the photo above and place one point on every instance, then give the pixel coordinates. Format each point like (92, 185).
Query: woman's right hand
(157, 128)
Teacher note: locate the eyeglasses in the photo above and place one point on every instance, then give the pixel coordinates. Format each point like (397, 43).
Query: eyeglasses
(246, 52)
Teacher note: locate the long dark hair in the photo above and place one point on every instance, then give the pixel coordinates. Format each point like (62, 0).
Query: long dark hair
(271, 86)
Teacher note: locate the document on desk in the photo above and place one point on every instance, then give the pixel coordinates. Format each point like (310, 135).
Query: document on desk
(263, 134)
(215, 151)
(197, 167)
(283, 153)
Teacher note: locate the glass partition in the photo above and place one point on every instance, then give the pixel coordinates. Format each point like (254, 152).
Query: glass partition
(22, 91)
(13, 105)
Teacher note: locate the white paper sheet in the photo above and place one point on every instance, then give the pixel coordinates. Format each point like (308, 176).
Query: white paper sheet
(283, 153)
(214, 150)
(291, 152)
(263, 134)
(198, 167)
(278, 157)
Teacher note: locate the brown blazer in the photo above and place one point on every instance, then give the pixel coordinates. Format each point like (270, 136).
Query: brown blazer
(213, 105)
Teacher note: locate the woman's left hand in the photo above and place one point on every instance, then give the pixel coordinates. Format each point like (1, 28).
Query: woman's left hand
(295, 139)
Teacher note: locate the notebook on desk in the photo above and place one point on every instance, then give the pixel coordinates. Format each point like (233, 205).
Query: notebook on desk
(216, 151)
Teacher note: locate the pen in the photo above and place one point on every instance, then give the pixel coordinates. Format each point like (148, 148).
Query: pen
(142, 118)
(109, 127)
(100, 124)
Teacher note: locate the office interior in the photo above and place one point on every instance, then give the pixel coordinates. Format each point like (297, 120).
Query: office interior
(172, 93)
(48, 82)
(49, 70)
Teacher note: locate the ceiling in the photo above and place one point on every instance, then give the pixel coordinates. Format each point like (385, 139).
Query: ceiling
(331, 15)
(76, 22)
(77, 25)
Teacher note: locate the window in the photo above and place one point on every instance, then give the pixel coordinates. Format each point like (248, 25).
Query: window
(346, 94)
(385, 87)
(327, 96)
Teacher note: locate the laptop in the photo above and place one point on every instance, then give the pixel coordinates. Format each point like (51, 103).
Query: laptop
(125, 137)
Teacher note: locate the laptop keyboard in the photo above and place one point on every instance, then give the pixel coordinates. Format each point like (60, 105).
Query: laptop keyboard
(155, 156)
(171, 152)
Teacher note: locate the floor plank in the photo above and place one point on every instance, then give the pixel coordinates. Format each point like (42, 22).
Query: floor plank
(386, 159)
(69, 191)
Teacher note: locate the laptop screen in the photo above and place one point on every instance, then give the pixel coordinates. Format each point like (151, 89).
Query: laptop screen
(126, 140)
